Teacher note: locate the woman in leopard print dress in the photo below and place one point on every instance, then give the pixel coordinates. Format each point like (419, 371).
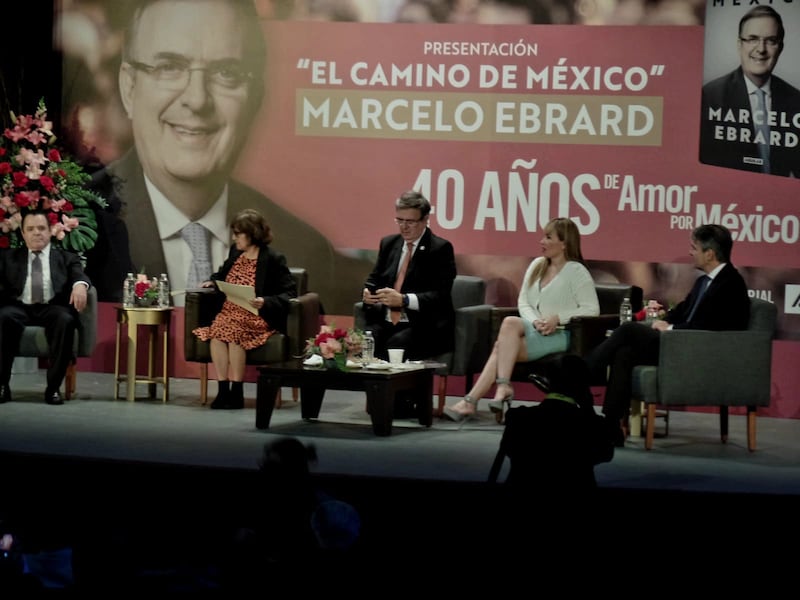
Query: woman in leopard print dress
(235, 330)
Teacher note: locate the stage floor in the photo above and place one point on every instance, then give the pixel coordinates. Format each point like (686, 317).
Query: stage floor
(159, 488)
(182, 432)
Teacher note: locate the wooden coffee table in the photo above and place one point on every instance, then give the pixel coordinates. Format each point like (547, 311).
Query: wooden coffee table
(381, 386)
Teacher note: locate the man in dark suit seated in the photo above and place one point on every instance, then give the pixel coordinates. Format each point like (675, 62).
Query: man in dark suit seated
(40, 285)
(747, 115)
(407, 296)
(718, 301)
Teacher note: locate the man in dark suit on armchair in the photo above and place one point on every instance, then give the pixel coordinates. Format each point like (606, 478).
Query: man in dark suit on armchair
(191, 81)
(407, 296)
(39, 285)
(718, 301)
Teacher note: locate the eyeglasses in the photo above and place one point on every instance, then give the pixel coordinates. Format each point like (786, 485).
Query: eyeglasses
(754, 40)
(408, 222)
(225, 77)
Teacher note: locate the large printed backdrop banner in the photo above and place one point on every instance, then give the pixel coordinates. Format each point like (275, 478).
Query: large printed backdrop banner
(504, 128)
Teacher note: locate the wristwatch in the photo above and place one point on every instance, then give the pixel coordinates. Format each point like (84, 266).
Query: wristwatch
(405, 300)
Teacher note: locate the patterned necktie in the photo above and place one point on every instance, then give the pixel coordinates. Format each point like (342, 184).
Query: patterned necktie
(37, 282)
(197, 237)
(762, 126)
(705, 280)
(401, 276)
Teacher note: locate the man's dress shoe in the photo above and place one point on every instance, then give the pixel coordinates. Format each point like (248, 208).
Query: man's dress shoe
(53, 398)
(5, 394)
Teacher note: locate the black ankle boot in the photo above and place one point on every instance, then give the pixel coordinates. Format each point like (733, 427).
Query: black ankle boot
(223, 395)
(236, 399)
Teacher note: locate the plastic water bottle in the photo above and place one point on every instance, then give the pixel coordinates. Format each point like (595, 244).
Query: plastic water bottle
(128, 290)
(368, 347)
(163, 291)
(625, 311)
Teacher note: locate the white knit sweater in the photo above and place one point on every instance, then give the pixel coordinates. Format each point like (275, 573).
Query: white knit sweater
(570, 294)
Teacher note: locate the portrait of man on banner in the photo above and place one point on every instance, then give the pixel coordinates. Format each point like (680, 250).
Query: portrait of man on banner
(750, 117)
(190, 78)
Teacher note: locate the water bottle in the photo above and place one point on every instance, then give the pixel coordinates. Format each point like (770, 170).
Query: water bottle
(368, 347)
(128, 290)
(163, 291)
(625, 311)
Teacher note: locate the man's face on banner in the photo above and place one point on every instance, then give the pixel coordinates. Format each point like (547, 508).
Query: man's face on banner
(186, 89)
(759, 48)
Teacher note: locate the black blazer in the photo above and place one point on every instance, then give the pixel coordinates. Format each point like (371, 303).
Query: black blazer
(724, 306)
(729, 95)
(65, 271)
(334, 276)
(430, 276)
(274, 283)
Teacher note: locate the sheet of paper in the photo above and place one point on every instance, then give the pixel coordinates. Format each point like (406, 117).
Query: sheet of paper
(239, 294)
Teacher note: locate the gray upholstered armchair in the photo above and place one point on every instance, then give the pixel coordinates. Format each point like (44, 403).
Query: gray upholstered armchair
(34, 342)
(303, 323)
(471, 327)
(712, 368)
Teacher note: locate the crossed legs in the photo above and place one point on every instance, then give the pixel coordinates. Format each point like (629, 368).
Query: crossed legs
(509, 349)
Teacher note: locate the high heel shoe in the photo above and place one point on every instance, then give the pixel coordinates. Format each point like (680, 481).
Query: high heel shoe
(456, 416)
(496, 406)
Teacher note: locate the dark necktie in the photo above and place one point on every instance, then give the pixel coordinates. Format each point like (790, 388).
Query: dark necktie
(401, 277)
(197, 237)
(762, 127)
(37, 283)
(705, 280)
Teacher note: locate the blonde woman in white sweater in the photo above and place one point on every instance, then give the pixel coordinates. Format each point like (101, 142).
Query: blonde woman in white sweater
(557, 286)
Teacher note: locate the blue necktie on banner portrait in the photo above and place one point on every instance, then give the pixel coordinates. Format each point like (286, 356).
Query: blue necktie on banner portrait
(703, 284)
(761, 123)
(198, 239)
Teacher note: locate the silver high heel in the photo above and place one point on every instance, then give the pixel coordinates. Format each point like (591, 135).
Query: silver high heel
(496, 406)
(456, 416)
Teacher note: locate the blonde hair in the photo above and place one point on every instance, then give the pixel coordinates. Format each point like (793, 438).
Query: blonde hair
(567, 232)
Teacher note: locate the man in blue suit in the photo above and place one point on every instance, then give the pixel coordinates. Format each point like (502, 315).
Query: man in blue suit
(414, 312)
(718, 301)
(748, 116)
(54, 302)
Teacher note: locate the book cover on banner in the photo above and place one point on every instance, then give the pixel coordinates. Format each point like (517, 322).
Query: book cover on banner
(750, 112)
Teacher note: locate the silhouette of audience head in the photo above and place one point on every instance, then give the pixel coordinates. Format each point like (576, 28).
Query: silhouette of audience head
(568, 374)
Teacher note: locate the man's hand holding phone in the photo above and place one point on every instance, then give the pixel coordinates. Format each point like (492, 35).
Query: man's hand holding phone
(369, 295)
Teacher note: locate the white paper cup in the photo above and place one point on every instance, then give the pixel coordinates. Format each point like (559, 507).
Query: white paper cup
(396, 356)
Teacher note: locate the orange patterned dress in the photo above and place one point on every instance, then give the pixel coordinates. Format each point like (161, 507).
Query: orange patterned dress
(233, 324)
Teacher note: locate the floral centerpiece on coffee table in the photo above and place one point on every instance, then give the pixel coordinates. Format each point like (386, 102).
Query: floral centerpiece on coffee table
(335, 345)
(36, 175)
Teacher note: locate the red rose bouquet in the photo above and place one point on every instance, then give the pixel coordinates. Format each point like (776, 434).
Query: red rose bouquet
(335, 344)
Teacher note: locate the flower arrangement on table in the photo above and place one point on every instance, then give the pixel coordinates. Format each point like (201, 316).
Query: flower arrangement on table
(35, 175)
(652, 311)
(335, 345)
(145, 291)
